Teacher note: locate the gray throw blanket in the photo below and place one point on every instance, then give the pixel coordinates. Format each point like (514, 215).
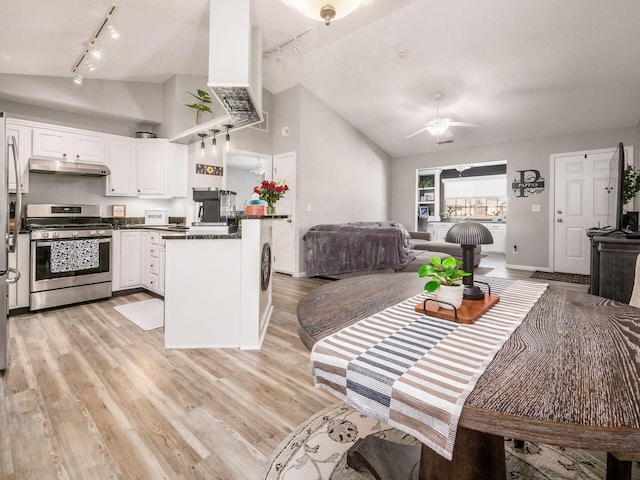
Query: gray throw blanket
(336, 249)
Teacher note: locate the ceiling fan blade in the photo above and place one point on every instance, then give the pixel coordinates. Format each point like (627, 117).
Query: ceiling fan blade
(463, 124)
(419, 131)
(447, 134)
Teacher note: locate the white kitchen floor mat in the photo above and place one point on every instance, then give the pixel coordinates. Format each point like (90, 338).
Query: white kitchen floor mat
(147, 314)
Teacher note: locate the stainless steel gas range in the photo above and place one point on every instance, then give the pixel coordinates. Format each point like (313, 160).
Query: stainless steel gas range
(70, 254)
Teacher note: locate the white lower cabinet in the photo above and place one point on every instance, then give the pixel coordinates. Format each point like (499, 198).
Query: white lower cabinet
(151, 260)
(127, 259)
(438, 230)
(139, 259)
(499, 234)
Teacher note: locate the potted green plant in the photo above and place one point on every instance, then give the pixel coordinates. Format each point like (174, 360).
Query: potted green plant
(630, 188)
(203, 98)
(445, 277)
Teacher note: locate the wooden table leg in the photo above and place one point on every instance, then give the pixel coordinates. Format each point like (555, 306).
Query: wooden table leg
(385, 460)
(618, 469)
(476, 455)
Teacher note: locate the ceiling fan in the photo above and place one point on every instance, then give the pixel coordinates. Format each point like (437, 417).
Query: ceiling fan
(439, 126)
(260, 168)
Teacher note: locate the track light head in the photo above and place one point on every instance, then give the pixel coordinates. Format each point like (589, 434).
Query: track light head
(78, 79)
(111, 29)
(95, 50)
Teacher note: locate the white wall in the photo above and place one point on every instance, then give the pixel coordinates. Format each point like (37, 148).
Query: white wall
(341, 175)
(133, 101)
(526, 229)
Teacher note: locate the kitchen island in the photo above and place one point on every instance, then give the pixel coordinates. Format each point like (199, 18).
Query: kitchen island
(218, 287)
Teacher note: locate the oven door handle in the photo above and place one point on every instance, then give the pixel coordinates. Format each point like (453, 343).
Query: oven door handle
(48, 243)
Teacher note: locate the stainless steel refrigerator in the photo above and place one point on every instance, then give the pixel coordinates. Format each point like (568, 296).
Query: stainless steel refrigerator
(9, 165)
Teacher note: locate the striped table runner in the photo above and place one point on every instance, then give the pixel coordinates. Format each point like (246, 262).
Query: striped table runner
(415, 372)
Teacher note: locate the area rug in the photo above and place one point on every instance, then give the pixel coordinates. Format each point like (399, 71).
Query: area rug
(562, 277)
(147, 314)
(317, 449)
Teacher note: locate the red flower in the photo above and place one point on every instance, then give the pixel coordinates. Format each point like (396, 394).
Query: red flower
(271, 191)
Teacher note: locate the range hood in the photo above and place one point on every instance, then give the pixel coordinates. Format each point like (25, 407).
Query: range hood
(235, 61)
(63, 167)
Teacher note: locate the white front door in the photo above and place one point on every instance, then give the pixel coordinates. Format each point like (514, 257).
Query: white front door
(284, 231)
(581, 201)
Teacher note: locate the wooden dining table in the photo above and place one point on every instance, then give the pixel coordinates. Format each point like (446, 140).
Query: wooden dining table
(569, 376)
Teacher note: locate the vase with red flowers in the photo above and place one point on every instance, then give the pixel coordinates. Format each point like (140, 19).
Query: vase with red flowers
(271, 192)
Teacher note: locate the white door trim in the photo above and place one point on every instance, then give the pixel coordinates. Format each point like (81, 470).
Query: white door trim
(295, 240)
(552, 161)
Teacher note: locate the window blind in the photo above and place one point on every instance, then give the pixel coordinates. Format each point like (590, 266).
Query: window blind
(470, 187)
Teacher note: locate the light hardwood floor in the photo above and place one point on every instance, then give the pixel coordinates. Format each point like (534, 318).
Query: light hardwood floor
(89, 395)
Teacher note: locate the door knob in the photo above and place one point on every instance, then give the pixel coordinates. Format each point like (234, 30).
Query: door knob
(559, 220)
(559, 212)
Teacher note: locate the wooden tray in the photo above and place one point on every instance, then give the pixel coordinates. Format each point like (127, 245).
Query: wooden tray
(469, 311)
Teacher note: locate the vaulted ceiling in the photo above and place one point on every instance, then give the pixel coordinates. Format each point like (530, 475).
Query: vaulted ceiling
(517, 69)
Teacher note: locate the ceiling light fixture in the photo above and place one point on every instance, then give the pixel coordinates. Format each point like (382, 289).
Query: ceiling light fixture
(326, 10)
(78, 79)
(111, 29)
(95, 50)
(293, 40)
(227, 137)
(213, 141)
(91, 45)
(202, 146)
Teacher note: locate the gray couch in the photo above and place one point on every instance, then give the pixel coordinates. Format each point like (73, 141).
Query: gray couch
(347, 249)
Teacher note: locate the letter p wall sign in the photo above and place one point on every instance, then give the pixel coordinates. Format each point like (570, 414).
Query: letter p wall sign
(528, 182)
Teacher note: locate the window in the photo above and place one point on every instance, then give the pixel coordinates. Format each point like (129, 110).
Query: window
(476, 207)
(476, 197)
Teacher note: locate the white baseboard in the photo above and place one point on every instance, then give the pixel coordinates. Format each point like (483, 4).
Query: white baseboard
(528, 268)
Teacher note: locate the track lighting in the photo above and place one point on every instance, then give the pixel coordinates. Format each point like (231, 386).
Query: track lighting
(202, 146)
(113, 33)
(213, 141)
(95, 50)
(294, 40)
(227, 137)
(91, 46)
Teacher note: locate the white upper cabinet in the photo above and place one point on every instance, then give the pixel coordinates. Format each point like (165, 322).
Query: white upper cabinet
(150, 161)
(22, 135)
(121, 160)
(161, 168)
(69, 145)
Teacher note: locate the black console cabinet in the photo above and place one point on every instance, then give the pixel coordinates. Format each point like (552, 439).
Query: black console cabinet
(613, 264)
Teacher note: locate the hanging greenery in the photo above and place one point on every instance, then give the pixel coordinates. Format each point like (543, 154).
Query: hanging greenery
(631, 185)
